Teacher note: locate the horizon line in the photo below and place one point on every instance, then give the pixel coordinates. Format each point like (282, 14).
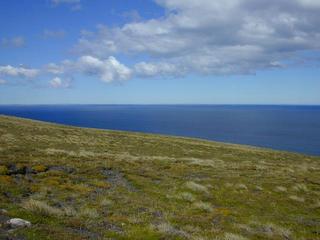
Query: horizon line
(161, 104)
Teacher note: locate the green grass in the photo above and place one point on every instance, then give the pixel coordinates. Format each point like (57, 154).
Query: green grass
(120, 185)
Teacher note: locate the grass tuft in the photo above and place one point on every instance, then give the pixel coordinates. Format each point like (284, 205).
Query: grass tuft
(41, 208)
(196, 187)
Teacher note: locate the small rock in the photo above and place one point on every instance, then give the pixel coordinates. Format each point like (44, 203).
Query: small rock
(18, 223)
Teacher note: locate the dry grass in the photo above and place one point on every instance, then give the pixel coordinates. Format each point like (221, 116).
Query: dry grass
(189, 197)
(196, 187)
(42, 208)
(280, 189)
(241, 186)
(204, 206)
(296, 198)
(300, 187)
(232, 236)
(87, 212)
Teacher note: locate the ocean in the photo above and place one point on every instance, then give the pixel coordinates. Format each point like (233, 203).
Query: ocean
(289, 128)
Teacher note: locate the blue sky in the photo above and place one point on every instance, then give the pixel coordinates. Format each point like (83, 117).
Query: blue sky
(159, 52)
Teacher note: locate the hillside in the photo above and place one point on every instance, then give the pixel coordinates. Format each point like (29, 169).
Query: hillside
(74, 183)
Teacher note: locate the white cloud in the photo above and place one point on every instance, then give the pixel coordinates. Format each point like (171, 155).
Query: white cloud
(309, 3)
(202, 37)
(54, 68)
(57, 82)
(58, 34)
(75, 4)
(144, 69)
(107, 70)
(15, 42)
(213, 37)
(18, 71)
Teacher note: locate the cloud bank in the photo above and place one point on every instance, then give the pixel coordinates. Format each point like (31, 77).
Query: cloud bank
(213, 37)
(18, 71)
(205, 37)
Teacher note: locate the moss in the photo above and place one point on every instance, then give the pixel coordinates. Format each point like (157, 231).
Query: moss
(6, 180)
(100, 183)
(3, 170)
(39, 168)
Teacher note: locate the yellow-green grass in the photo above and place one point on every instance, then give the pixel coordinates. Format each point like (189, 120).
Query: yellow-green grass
(97, 184)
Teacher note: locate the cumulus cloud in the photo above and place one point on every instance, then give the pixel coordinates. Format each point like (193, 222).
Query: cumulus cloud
(213, 37)
(57, 82)
(14, 42)
(107, 70)
(219, 37)
(144, 69)
(55, 68)
(18, 71)
(58, 34)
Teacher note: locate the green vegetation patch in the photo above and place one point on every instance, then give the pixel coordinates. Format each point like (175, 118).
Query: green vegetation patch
(74, 183)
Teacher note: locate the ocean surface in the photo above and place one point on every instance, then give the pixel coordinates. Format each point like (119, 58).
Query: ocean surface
(290, 128)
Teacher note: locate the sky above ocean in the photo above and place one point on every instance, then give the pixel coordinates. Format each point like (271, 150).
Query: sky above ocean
(161, 51)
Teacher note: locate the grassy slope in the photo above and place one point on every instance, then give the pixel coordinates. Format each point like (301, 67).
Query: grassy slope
(138, 186)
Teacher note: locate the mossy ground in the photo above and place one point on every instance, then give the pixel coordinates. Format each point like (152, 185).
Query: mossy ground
(95, 184)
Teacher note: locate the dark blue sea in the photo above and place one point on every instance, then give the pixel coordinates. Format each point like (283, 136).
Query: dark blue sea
(290, 128)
